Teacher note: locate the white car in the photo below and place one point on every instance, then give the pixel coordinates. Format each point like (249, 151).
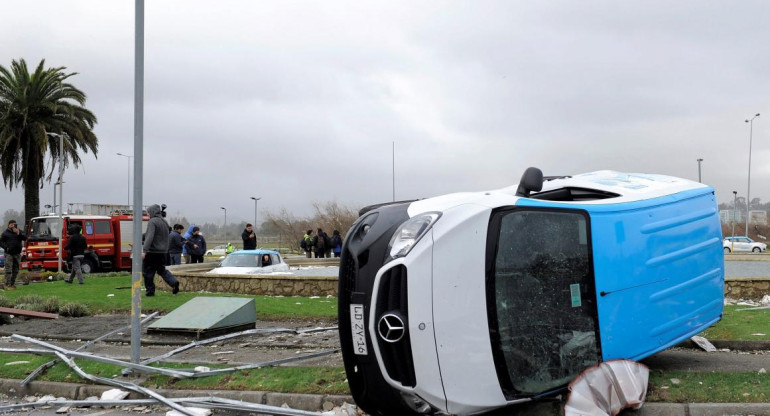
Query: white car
(251, 262)
(730, 244)
(468, 302)
(217, 251)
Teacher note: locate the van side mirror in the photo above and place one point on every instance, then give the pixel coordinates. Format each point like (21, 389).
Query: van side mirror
(531, 180)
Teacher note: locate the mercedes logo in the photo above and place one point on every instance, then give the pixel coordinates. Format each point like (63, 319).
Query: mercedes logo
(391, 328)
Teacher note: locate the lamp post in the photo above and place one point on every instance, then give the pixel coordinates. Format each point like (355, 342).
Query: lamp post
(735, 211)
(699, 162)
(60, 183)
(225, 223)
(748, 191)
(128, 179)
(256, 203)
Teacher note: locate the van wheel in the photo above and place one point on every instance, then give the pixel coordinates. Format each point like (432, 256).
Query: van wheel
(87, 266)
(756, 249)
(727, 250)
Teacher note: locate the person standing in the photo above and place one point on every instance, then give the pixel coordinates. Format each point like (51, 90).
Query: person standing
(319, 242)
(76, 247)
(308, 243)
(154, 254)
(175, 245)
(229, 248)
(249, 238)
(11, 241)
(186, 237)
(196, 246)
(336, 243)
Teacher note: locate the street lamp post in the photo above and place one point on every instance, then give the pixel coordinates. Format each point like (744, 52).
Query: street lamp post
(699, 162)
(748, 191)
(225, 223)
(60, 183)
(128, 179)
(256, 202)
(735, 211)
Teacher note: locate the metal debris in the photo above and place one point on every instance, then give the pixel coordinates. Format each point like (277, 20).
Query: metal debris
(51, 363)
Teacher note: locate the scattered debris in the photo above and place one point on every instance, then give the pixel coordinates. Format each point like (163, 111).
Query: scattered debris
(222, 352)
(196, 411)
(759, 334)
(703, 343)
(114, 394)
(607, 388)
(31, 314)
(17, 362)
(63, 410)
(675, 381)
(762, 371)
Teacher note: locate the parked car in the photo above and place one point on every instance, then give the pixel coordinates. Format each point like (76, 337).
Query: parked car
(251, 262)
(464, 303)
(730, 244)
(217, 251)
(2, 257)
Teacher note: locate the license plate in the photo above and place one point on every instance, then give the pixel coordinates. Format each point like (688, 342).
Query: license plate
(358, 329)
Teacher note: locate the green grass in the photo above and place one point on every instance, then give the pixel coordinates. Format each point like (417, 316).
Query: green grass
(743, 387)
(740, 325)
(318, 380)
(95, 293)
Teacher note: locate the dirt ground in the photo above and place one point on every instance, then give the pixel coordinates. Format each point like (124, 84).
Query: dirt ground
(71, 333)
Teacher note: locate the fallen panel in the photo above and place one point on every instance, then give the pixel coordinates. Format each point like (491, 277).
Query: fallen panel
(205, 316)
(31, 314)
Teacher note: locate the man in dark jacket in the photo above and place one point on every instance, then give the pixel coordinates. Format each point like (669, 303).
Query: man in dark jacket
(76, 247)
(249, 238)
(196, 246)
(154, 252)
(175, 245)
(12, 241)
(319, 242)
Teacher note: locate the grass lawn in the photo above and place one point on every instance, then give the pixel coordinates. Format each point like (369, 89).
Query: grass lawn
(741, 325)
(318, 380)
(113, 294)
(686, 387)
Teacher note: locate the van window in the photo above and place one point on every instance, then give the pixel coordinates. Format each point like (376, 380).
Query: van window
(89, 230)
(541, 298)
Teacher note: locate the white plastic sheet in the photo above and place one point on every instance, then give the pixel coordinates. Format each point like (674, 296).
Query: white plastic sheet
(608, 388)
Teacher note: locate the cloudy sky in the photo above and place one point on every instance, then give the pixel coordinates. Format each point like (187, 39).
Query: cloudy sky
(301, 101)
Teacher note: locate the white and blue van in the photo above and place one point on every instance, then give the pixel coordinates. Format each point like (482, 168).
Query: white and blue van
(472, 301)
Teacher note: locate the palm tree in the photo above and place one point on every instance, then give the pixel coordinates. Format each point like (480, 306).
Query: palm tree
(34, 110)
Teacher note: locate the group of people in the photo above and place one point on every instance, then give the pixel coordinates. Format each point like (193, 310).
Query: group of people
(12, 241)
(191, 245)
(321, 244)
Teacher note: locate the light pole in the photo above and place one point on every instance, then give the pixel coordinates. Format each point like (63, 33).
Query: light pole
(128, 179)
(225, 223)
(699, 161)
(60, 182)
(748, 191)
(256, 202)
(735, 211)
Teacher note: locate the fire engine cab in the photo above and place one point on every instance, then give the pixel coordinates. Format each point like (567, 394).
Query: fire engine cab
(108, 230)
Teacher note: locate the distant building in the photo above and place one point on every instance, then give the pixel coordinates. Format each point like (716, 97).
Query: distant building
(727, 216)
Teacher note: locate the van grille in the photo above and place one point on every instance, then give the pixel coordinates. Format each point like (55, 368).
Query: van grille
(392, 299)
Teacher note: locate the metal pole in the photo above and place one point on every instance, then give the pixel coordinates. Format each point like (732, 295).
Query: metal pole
(136, 252)
(735, 211)
(699, 178)
(394, 171)
(61, 191)
(225, 223)
(748, 191)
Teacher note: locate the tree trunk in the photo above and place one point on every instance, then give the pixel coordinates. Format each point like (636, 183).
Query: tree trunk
(31, 196)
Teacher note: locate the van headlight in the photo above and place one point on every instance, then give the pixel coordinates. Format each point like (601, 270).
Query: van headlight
(409, 233)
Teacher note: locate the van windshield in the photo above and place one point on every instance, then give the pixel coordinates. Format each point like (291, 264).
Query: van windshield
(44, 229)
(541, 302)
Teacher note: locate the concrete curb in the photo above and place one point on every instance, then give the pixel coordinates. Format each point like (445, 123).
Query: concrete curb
(74, 391)
(322, 402)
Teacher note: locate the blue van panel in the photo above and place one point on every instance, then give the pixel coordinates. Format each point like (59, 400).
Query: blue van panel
(658, 267)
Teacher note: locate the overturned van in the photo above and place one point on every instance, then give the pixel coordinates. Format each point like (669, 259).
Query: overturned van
(472, 301)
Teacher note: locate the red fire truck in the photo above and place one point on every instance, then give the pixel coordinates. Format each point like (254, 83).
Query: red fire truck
(108, 230)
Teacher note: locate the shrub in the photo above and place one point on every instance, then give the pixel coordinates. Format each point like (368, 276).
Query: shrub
(74, 310)
(29, 300)
(51, 304)
(36, 307)
(23, 276)
(6, 302)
